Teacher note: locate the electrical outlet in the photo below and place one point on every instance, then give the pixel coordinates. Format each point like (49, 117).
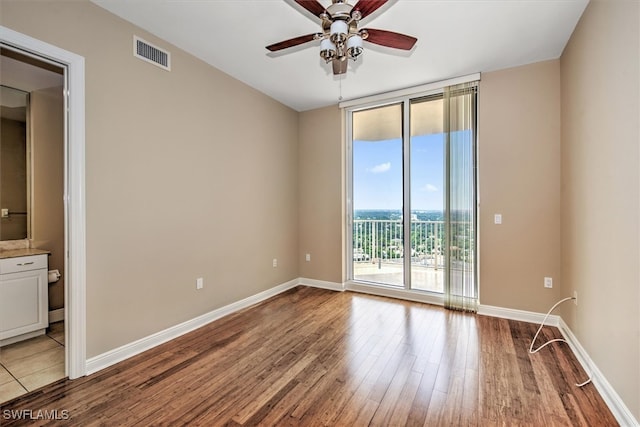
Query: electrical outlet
(199, 283)
(307, 257)
(575, 297)
(275, 262)
(548, 282)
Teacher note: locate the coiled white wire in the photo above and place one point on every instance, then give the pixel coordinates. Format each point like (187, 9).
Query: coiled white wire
(532, 351)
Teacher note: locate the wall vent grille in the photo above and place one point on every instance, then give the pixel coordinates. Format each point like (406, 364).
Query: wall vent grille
(150, 53)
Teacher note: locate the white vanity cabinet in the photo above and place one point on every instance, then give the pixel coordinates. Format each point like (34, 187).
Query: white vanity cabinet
(24, 309)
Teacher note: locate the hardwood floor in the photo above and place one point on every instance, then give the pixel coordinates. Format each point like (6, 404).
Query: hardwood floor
(317, 357)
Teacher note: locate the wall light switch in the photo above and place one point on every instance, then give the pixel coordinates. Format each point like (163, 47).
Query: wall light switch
(497, 219)
(307, 257)
(199, 283)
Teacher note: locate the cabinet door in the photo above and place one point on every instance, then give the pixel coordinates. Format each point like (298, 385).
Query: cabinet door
(23, 303)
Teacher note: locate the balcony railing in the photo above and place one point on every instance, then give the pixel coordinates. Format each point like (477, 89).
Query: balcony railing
(378, 251)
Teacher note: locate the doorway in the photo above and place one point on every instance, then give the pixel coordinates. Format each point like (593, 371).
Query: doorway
(31, 195)
(74, 189)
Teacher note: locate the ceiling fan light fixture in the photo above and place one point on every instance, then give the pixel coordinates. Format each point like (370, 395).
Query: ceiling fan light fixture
(354, 46)
(327, 50)
(339, 31)
(340, 38)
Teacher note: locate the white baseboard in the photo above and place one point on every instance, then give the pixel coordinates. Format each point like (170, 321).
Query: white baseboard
(332, 286)
(56, 315)
(521, 315)
(126, 351)
(612, 399)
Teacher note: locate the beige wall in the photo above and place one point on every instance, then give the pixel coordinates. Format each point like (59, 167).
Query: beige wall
(601, 188)
(47, 210)
(320, 209)
(519, 177)
(189, 174)
(519, 154)
(13, 179)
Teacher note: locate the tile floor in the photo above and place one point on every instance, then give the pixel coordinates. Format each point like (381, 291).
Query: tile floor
(33, 363)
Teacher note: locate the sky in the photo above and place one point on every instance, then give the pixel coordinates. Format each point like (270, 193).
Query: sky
(377, 173)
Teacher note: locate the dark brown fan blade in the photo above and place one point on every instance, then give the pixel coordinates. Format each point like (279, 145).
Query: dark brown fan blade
(339, 66)
(312, 6)
(291, 42)
(390, 39)
(367, 7)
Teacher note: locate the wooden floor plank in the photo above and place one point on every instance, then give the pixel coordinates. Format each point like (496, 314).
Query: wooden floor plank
(391, 397)
(402, 409)
(312, 357)
(422, 400)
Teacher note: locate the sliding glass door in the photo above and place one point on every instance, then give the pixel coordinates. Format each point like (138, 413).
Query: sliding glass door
(412, 193)
(378, 236)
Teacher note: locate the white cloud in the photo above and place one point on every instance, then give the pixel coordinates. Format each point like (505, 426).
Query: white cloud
(430, 188)
(381, 168)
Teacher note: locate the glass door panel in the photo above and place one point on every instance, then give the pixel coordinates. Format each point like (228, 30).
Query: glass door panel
(377, 195)
(427, 154)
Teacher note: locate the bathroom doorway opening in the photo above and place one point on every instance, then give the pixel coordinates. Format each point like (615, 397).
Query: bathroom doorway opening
(32, 167)
(74, 252)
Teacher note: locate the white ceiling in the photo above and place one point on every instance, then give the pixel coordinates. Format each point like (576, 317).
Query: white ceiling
(455, 38)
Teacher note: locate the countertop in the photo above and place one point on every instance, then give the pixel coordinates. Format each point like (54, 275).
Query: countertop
(13, 253)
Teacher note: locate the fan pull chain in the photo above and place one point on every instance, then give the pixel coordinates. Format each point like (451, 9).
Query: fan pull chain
(340, 86)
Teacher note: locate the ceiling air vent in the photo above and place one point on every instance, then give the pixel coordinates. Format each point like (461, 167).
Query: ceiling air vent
(150, 53)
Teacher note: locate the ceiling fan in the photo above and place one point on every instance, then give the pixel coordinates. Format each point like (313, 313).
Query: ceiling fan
(340, 38)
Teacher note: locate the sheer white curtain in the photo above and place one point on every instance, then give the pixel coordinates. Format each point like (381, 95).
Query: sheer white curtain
(461, 284)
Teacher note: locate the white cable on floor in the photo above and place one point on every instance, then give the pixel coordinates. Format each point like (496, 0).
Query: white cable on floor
(532, 351)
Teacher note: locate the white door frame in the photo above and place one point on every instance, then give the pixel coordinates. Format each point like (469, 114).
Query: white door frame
(74, 193)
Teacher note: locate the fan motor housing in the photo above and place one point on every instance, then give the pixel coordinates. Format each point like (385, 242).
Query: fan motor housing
(340, 11)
